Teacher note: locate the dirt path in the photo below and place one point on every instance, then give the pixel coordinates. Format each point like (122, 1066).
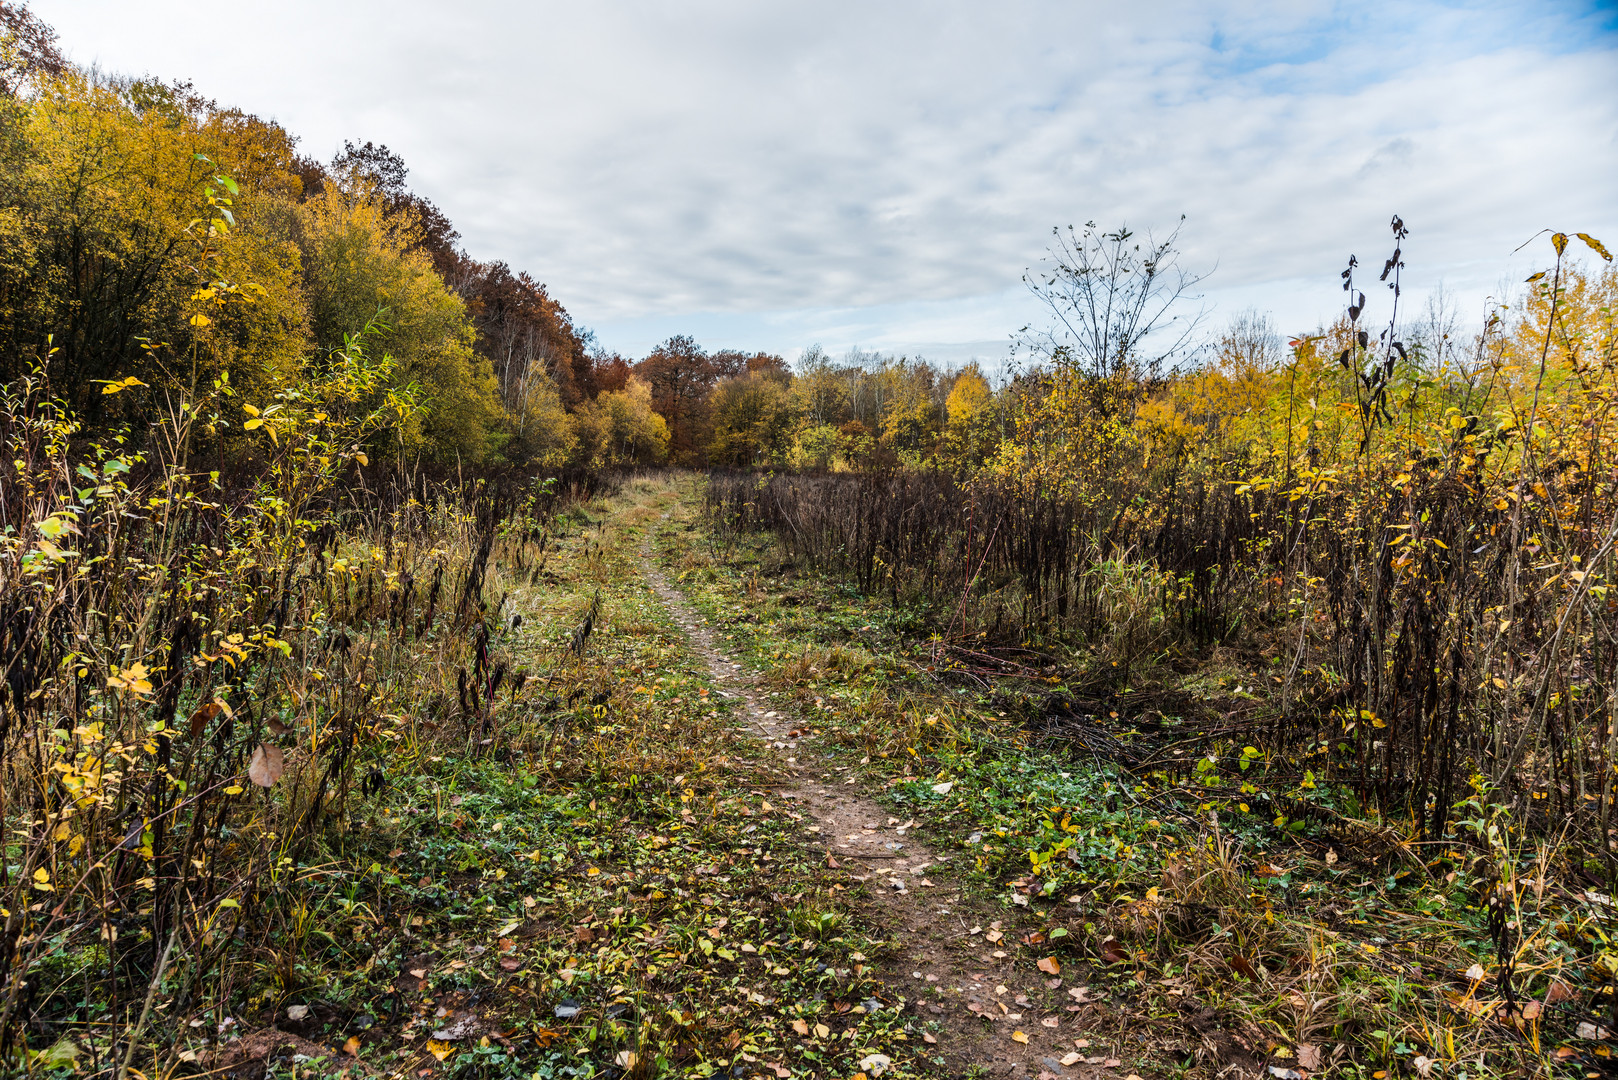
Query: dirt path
(956, 967)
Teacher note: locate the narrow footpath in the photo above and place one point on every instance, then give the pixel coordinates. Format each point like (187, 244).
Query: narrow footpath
(957, 965)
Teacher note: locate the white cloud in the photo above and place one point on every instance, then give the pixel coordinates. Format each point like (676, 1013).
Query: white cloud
(881, 174)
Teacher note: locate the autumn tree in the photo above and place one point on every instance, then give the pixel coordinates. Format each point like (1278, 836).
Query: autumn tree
(28, 49)
(753, 418)
(680, 375)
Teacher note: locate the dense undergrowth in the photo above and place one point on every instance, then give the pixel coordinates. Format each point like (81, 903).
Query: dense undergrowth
(430, 787)
(1228, 886)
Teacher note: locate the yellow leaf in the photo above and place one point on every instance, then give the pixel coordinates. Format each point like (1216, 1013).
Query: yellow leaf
(362, 459)
(1595, 245)
(131, 678)
(352, 1046)
(1018, 1036)
(821, 1031)
(250, 410)
(439, 1050)
(251, 424)
(200, 319)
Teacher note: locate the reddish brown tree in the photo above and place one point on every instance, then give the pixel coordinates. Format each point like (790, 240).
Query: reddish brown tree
(682, 375)
(31, 48)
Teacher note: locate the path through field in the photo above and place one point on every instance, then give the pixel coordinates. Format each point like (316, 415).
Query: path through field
(999, 1013)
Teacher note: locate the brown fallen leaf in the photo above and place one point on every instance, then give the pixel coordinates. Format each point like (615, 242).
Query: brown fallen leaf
(800, 1026)
(1051, 1021)
(831, 862)
(1308, 1056)
(277, 727)
(510, 963)
(266, 766)
(1113, 952)
(927, 1037)
(1243, 967)
(1050, 965)
(204, 716)
(1559, 991)
(352, 1046)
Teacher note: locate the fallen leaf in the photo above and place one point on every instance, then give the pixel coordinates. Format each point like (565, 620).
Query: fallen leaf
(1243, 967)
(1111, 1063)
(821, 1031)
(1072, 1057)
(439, 1050)
(510, 963)
(927, 1037)
(297, 1012)
(1050, 965)
(266, 766)
(418, 973)
(203, 716)
(1308, 1056)
(1112, 952)
(1559, 991)
(1051, 1021)
(1531, 1010)
(1422, 1065)
(800, 1026)
(876, 1064)
(945, 788)
(1587, 1030)
(352, 1046)
(1475, 973)
(1017, 1036)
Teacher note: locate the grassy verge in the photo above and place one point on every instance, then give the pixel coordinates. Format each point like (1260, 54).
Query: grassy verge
(1236, 909)
(603, 887)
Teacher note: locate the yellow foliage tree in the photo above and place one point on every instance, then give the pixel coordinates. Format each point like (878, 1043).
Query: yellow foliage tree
(358, 268)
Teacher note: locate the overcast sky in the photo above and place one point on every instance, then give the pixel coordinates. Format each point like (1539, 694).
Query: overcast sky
(880, 174)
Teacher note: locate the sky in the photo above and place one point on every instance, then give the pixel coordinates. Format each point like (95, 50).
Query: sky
(881, 175)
